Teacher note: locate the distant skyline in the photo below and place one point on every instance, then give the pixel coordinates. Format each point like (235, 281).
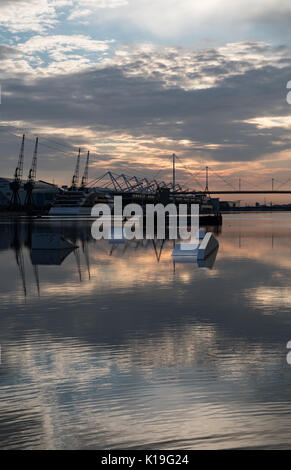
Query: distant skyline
(134, 81)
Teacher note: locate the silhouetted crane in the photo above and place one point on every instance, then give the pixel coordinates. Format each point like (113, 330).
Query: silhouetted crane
(75, 179)
(29, 185)
(85, 175)
(16, 183)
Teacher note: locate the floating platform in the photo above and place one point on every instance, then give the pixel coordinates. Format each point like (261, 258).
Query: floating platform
(186, 250)
(199, 251)
(207, 246)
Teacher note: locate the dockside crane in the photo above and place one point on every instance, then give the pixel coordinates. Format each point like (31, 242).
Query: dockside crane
(17, 177)
(75, 179)
(86, 171)
(29, 185)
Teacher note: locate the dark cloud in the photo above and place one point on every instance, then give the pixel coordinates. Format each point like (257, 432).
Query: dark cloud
(109, 100)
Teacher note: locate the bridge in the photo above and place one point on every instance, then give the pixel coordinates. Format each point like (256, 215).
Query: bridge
(266, 191)
(122, 183)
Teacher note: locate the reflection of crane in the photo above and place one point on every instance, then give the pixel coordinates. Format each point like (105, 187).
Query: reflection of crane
(35, 270)
(77, 256)
(19, 255)
(174, 264)
(158, 253)
(16, 183)
(75, 179)
(20, 263)
(87, 257)
(85, 175)
(29, 185)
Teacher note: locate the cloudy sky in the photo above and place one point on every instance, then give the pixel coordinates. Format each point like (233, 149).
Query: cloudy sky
(135, 80)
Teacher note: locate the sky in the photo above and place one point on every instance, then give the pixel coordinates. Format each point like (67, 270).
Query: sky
(135, 80)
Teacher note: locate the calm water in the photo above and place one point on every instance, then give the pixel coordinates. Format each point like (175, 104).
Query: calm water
(114, 346)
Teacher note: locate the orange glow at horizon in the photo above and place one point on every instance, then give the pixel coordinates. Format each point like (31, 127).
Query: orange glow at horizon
(152, 157)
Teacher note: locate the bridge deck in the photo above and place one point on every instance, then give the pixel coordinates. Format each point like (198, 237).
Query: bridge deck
(233, 192)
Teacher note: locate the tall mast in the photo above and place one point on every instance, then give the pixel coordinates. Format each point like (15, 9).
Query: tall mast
(32, 171)
(75, 179)
(19, 169)
(206, 182)
(86, 170)
(17, 177)
(174, 172)
(31, 177)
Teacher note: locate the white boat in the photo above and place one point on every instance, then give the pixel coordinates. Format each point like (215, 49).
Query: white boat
(197, 251)
(77, 201)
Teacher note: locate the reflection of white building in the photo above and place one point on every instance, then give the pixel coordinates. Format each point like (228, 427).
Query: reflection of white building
(43, 193)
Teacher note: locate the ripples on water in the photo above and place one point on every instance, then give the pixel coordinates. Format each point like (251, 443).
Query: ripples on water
(117, 347)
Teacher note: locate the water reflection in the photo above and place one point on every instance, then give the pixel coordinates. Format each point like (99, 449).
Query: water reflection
(18, 236)
(114, 346)
(49, 257)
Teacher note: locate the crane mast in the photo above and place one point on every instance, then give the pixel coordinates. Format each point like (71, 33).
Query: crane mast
(17, 177)
(32, 171)
(86, 170)
(29, 185)
(75, 179)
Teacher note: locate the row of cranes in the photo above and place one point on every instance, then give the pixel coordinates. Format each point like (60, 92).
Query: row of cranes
(29, 184)
(75, 179)
(118, 183)
(15, 185)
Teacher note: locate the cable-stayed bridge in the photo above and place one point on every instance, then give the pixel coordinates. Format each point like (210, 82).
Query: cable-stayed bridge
(122, 183)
